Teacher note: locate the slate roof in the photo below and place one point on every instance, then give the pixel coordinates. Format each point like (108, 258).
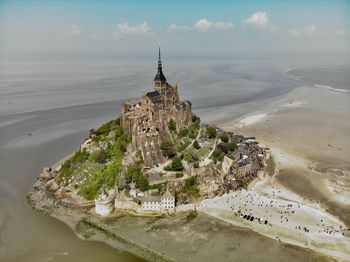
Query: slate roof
(150, 199)
(167, 194)
(160, 76)
(152, 94)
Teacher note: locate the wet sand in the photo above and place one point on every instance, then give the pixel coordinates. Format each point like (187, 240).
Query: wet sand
(314, 135)
(184, 237)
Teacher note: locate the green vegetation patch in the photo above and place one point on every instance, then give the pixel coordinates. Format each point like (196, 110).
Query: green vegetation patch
(191, 186)
(134, 174)
(175, 165)
(168, 149)
(100, 168)
(72, 164)
(172, 125)
(211, 132)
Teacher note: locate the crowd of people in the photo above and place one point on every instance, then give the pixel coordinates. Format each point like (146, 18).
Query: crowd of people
(254, 207)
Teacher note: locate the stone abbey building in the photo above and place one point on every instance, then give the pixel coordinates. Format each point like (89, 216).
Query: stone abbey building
(147, 120)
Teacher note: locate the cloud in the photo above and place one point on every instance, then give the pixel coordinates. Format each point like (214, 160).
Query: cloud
(308, 30)
(258, 20)
(75, 31)
(294, 33)
(125, 29)
(203, 25)
(175, 27)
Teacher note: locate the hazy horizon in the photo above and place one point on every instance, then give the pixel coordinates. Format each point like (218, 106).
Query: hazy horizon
(68, 30)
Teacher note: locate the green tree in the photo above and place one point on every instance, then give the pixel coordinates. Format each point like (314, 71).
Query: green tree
(176, 164)
(224, 137)
(168, 148)
(218, 154)
(195, 118)
(183, 132)
(132, 174)
(211, 131)
(142, 183)
(196, 144)
(232, 146)
(172, 125)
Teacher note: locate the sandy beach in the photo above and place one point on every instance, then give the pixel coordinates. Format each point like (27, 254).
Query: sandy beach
(307, 133)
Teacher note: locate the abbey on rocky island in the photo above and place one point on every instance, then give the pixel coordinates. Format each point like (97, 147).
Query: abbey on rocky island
(147, 120)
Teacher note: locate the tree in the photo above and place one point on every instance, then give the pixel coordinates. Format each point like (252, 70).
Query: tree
(223, 148)
(133, 174)
(172, 125)
(176, 164)
(196, 144)
(224, 137)
(211, 131)
(142, 183)
(183, 132)
(195, 118)
(168, 149)
(190, 157)
(232, 146)
(218, 154)
(100, 156)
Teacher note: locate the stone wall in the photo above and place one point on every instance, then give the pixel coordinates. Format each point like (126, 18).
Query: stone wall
(146, 121)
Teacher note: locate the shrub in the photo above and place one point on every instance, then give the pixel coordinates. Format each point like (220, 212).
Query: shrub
(92, 186)
(196, 164)
(190, 182)
(224, 138)
(218, 154)
(179, 174)
(182, 147)
(132, 174)
(68, 167)
(176, 164)
(211, 131)
(142, 183)
(191, 186)
(196, 145)
(80, 156)
(168, 149)
(105, 128)
(127, 192)
(183, 132)
(172, 125)
(195, 118)
(190, 157)
(99, 157)
(232, 146)
(140, 160)
(223, 148)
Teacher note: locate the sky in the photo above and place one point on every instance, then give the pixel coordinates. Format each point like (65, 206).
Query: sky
(106, 29)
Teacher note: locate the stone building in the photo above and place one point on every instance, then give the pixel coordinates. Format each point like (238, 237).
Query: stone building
(165, 202)
(104, 203)
(147, 120)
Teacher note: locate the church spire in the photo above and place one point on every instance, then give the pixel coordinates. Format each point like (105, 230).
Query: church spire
(159, 60)
(160, 76)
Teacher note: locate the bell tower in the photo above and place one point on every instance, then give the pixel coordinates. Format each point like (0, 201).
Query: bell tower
(159, 80)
